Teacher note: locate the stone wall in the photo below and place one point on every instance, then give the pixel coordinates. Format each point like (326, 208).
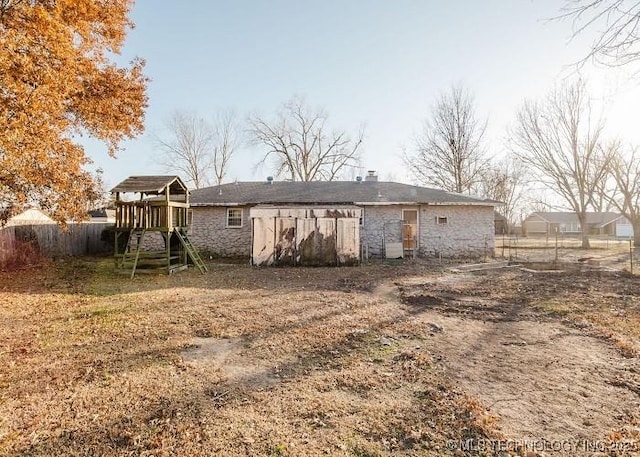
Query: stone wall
(209, 232)
(468, 231)
(376, 221)
(153, 241)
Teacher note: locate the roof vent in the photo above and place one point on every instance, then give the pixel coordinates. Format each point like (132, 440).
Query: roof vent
(371, 176)
(359, 178)
(270, 179)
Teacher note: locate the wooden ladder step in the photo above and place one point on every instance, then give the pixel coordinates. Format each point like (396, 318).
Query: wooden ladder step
(192, 252)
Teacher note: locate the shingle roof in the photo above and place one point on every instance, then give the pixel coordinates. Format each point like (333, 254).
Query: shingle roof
(150, 184)
(568, 217)
(323, 192)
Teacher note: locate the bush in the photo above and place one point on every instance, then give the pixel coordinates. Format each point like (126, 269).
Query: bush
(108, 236)
(24, 254)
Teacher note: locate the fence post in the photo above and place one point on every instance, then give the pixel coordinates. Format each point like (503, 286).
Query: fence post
(631, 255)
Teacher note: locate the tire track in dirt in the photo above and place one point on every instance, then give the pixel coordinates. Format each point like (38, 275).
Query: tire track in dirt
(542, 378)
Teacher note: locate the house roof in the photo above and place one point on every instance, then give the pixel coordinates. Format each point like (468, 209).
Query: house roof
(151, 185)
(102, 213)
(567, 217)
(499, 217)
(31, 216)
(328, 192)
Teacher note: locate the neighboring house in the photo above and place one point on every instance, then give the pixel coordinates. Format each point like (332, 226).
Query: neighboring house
(32, 216)
(230, 219)
(599, 223)
(501, 224)
(102, 216)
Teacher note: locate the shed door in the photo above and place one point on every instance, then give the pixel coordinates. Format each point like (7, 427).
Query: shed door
(410, 228)
(348, 241)
(285, 245)
(316, 239)
(263, 241)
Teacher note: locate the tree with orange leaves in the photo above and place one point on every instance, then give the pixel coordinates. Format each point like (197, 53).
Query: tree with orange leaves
(57, 83)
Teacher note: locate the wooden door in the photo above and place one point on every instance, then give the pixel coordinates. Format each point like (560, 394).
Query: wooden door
(410, 228)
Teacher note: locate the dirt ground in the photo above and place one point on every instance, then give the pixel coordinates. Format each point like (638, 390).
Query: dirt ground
(545, 372)
(385, 359)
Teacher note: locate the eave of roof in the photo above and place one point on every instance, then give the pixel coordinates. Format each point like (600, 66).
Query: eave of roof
(149, 184)
(329, 193)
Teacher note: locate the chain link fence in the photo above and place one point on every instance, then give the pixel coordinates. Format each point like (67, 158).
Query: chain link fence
(604, 250)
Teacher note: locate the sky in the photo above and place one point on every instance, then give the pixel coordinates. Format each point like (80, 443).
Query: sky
(377, 64)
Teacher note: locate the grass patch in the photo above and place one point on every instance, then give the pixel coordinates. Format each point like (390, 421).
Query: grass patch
(301, 361)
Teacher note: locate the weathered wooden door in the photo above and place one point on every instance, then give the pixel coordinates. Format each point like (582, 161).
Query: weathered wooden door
(348, 241)
(263, 241)
(285, 243)
(410, 229)
(316, 241)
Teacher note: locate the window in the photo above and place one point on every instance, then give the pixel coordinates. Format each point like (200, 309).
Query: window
(570, 227)
(234, 217)
(442, 220)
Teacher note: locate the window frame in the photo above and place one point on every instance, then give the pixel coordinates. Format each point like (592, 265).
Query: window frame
(442, 220)
(416, 238)
(228, 218)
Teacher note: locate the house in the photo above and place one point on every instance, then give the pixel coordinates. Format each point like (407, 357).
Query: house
(31, 216)
(599, 223)
(381, 218)
(102, 216)
(501, 224)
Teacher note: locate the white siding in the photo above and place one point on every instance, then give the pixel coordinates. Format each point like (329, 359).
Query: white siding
(624, 229)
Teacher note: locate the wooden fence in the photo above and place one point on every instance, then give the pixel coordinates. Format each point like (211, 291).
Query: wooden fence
(53, 241)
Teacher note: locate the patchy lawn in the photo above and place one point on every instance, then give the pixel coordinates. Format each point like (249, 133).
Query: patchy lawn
(364, 361)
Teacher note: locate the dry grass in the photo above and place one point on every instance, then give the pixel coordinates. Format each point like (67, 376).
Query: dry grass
(607, 303)
(300, 361)
(246, 361)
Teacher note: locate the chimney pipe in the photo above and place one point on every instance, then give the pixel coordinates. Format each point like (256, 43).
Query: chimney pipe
(371, 176)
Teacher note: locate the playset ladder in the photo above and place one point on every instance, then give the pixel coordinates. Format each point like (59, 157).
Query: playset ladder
(132, 253)
(191, 251)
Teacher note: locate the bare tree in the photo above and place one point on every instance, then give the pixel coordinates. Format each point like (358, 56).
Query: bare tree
(199, 150)
(605, 189)
(226, 140)
(617, 23)
(301, 146)
(505, 182)
(561, 144)
(448, 153)
(625, 196)
(188, 147)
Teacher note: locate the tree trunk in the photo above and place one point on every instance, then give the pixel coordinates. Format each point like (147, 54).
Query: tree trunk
(584, 230)
(636, 231)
